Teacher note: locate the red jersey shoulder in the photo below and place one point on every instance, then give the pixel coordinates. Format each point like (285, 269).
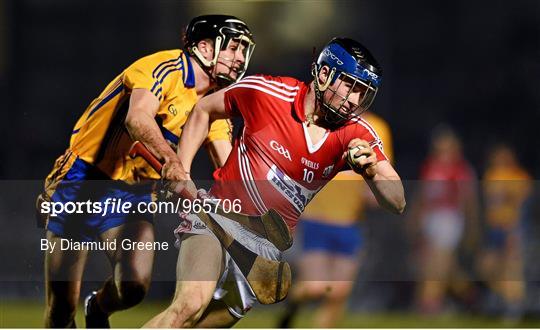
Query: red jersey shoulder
(282, 81)
(261, 90)
(277, 88)
(359, 128)
(257, 96)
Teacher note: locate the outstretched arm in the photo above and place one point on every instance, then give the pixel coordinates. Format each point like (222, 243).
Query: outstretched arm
(387, 187)
(195, 130)
(219, 151)
(141, 125)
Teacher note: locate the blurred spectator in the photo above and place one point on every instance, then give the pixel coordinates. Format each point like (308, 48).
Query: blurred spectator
(505, 187)
(332, 242)
(444, 211)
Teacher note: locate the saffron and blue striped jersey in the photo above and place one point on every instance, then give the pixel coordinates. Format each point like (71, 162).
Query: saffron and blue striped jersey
(99, 136)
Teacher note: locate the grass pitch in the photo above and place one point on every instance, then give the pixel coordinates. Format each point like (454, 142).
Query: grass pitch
(29, 314)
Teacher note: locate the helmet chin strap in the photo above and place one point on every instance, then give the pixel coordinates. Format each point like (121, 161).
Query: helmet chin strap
(202, 59)
(222, 80)
(319, 90)
(323, 87)
(330, 115)
(208, 66)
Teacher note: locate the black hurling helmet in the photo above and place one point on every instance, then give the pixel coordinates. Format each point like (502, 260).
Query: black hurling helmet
(222, 29)
(350, 61)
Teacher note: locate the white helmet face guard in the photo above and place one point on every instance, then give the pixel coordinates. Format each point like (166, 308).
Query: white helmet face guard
(245, 48)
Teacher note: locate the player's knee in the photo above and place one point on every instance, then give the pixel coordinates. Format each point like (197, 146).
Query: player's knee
(338, 293)
(315, 290)
(132, 292)
(186, 311)
(60, 314)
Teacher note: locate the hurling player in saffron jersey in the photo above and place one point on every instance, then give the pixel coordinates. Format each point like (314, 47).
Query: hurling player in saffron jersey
(149, 101)
(288, 125)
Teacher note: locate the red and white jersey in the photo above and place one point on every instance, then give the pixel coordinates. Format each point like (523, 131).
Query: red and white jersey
(445, 184)
(274, 164)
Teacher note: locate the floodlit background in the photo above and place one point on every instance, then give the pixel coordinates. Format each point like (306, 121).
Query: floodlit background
(473, 66)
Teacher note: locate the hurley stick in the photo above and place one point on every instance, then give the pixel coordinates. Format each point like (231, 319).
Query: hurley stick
(269, 279)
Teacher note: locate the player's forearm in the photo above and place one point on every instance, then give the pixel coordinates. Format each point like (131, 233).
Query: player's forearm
(389, 192)
(193, 135)
(142, 127)
(219, 151)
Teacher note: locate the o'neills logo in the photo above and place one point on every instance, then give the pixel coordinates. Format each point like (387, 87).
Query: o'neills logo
(309, 163)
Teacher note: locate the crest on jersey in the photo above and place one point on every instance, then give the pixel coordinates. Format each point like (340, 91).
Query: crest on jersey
(280, 149)
(327, 171)
(172, 110)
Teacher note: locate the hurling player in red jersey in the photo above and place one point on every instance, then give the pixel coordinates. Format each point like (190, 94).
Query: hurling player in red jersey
(294, 140)
(445, 216)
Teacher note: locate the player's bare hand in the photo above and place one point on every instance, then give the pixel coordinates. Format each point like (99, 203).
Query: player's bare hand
(173, 171)
(361, 158)
(177, 180)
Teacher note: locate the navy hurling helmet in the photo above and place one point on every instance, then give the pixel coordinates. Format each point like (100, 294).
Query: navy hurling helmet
(352, 63)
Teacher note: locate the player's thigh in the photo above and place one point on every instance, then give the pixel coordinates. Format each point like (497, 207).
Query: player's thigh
(488, 262)
(344, 267)
(200, 258)
(199, 267)
(63, 270)
(314, 276)
(314, 266)
(439, 263)
(131, 264)
(217, 315)
(344, 272)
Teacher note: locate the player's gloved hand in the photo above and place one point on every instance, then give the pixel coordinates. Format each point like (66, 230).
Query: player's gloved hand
(177, 180)
(203, 194)
(186, 221)
(362, 159)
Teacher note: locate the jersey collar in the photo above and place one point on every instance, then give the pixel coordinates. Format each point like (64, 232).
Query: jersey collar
(190, 77)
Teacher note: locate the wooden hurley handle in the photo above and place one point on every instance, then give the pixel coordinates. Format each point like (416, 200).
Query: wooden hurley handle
(139, 149)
